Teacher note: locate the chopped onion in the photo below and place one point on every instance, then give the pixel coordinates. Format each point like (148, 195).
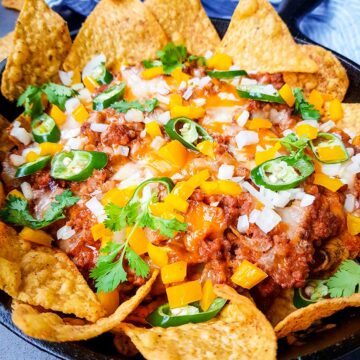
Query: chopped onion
(331, 169)
(162, 88)
(16, 124)
(78, 86)
(243, 118)
(71, 105)
(276, 198)
(249, 188)
(98, 127)
(226, 172)
(267, 220)
(349, 204)
(312, 123)
(65, 232)
(73, 144)
(204, 81)
(182, 85)
(253, 216)
(68, 134)
(243, 224)
(164, 117)
(350, 151)
(157, 143)
(351, 133)
(134, 115)
(288, 132)
(326, 126)
(199, 101)
(214, 203)
(92, 64)
(188, 93)
(246, 137)
(307, 200)
(27, 190)
(85, 95)
(247, 81)
(234, 67)
(208, 54)
(163, 99)
(227, 96)
(195, 81)
(95, 206)
(66, 77)
(123, 150)
(16, 160)
(21, 134)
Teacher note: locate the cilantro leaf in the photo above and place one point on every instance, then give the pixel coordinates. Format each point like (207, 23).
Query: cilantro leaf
(58, 94)
(16, 211)
(118, 217)
(172, 56)
(136, 263)
(148, 64)
(123, 106)
(200, 60)
(306, 110)
(293, 144)
(31, 100)
(150, 104)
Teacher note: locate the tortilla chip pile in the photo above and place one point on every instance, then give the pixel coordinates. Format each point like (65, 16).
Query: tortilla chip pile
(43, 280)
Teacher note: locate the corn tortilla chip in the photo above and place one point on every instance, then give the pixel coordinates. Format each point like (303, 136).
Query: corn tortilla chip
(13, 4)
(11, 248)
(351, 118)
(41, 42)
(240, 332)
(302, 318)
(51, 327)
(258, 40)
(185, 22)
(122, 30)
(6, 45)
(331, 78)
(10, 276)
(281, 307)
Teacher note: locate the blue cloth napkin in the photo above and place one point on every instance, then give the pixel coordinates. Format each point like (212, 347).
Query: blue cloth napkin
(334, 23)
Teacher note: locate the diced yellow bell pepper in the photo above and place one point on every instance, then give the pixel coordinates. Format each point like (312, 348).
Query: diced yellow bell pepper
(176, 202)
(335, 110)
(110, 301)
(151, 73)
(183, 294)
(48, 148)
(138, 240)
(287, 94)
(153, 129)
(174, 272)
(225, 187)
(179, 76)
(99, 231)
(306, 130)
(76, 78)
(356, 140)
(80, 114)
(158, 255)
(206, 147)
(90, 83)
(220, 61)
(196, 180)
(268, 154)
(247, 275)
(353, 224)
(165, 211)
(328, 182)
(31, 156)
(175, 99)
(58, 115)
(208, 295)
(174, 152)
(183, 190)
(191, 112)
(316, 99)
(36, 236)
(256, 124)
(119, 197)
(331, 153)
(16, 193)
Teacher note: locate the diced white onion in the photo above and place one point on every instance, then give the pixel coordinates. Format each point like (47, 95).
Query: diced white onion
(313, 123)
(188, 93)
(204, 81)
(73, 144)
(234, 67)
(249, 188)
(182, 85)
(199, 101)
(27, 190)
(65, 232)
(98, 127)
(68, 134)
(247, 81)
(246, 137)
(71, 105)
(326, 126)
(95, 206)
(92, 64)
(227, 96)
(16, 123)
(243, 118)
(350, 151)
(214, 203)
(288, 132)
(195, 81)
(253, 216)
(66, 77)
(267, 220)
(21, 134)
(157, 143)
(276, 198)
(208, 54)
(163, 99)
(162, 88)
(307, 200)
(243, 224)
(226, 172)
(85, 95)
(122, 150)
(331, 169)
(16, 160)
(78, 86)
(134, 115)
(349, 204)
(351, 133)
(164, 117)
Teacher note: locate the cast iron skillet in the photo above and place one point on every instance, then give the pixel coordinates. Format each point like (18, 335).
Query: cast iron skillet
(342, 340)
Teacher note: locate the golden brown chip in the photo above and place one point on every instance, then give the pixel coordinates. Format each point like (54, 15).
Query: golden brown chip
(281, 307)
(10, 276)
(331, 77)
(41, 43)
(257, 39)
(11, 247)
(351, 118)
(122, 30)
(302, 318)
(240, 332)
(51, 327)
(6, 45)
(185, 22)
(13, 4)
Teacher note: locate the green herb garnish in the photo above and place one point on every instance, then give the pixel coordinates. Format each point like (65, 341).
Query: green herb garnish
(123, 106)
(306, 110)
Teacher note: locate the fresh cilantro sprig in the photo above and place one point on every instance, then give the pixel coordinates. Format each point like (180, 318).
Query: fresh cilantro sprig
(123, 106)
(295, 145)
(16, 211)
(306, 110)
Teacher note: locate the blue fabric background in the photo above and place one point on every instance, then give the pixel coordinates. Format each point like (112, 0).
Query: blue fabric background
(334, 23)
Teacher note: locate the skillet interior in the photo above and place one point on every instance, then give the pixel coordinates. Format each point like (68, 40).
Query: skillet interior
(332, 344)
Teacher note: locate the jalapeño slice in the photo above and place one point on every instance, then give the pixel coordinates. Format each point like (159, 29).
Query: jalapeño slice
(108, 97)
(313, 291)
(102, 75)
(227, 74)
(260, 92)
(44, 129)
(32, 167)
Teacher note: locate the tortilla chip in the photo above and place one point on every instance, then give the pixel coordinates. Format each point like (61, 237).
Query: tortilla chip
(11, 248)
(351, 118)
(41, 43)
(122, 30)
(281, 307)
(331, 78)
(240, 332)
(13, 4)
(258, 40)
(6, 45)
(51, 327)
(302, 318)
(185, 22)
(10, 276)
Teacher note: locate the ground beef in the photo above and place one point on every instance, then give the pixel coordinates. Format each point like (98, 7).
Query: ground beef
(274, 79)
(93, 183)
(121, 134)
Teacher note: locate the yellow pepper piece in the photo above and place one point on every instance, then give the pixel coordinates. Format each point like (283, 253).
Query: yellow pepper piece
(256, 124)
(174, 152)
(31, 156)
(356, 140)
(191, 112)
(48, 148)
(306, 130)
(119, 197)
(268, 154)
(316, 99)
(80, 114)
(175, 99)
(328, 182)
(16, 193)
(287, 94)
(176, 202)
(247, 275)
(208, 295)
(183, 294)
(138, 240)
(110, 301)
(158, 255)
(174, 272)
(183, 190)
(336, 110)
(331, 153)
(353, 224)
(90, 83)
(220, 61)
(36, 236)
(99, 231)
(153, 129)
(179, 76)
(76, 78)
(151, 73)
(206, 147)
(58, 115)
(196, 180)
(160, 208)
(225, 187)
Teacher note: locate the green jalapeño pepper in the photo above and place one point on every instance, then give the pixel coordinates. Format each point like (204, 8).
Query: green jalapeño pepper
(165, 317)
(33, 166)
(77, 165)
(188, 132)
(44, 129)
(227, 74)
(313, 291)
(329, 149)
(282, 173)
(260, 92)
(108, 97)
(102, 75)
